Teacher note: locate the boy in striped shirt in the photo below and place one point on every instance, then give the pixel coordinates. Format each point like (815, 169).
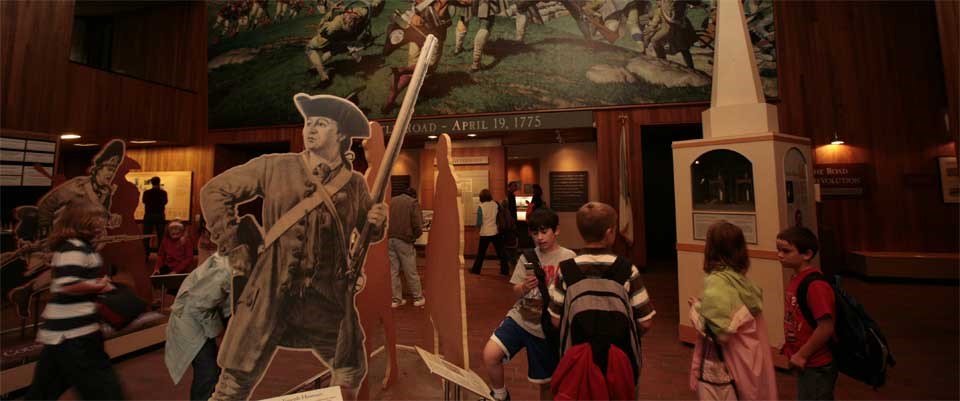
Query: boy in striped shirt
(73, 353)
(597, 223)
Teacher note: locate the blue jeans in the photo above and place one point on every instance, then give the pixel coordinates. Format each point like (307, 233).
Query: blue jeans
(403, 257)
(817, 383)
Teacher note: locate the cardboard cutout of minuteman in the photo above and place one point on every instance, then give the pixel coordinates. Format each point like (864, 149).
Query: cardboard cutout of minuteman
(300, 287)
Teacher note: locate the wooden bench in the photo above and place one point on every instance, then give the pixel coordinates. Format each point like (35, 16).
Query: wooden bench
(919, 265)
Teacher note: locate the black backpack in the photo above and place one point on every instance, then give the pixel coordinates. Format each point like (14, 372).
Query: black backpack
(551, 333)
(860, 349)
(596, 310)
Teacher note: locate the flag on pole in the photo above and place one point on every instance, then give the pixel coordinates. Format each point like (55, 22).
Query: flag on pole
(626, 209)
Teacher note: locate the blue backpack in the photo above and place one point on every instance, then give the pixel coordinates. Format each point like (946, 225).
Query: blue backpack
(860, 350)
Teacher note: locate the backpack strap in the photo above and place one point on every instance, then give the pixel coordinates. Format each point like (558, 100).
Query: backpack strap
(619, 271)
(571, 272)
(801, 295)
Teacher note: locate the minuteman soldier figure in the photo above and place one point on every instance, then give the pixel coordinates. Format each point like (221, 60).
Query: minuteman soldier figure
(298, 293)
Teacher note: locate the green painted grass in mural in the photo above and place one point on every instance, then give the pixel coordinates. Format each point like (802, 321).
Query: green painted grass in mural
(258, 70)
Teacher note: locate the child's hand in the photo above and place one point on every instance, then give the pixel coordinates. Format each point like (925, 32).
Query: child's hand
(692, 300)
(797, 361)
(529, 283)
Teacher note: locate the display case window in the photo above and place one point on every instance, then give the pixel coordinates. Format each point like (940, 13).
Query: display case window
(722, 181)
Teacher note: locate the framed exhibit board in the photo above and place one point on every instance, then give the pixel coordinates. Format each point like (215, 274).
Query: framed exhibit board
(179, 187)
(568, 190)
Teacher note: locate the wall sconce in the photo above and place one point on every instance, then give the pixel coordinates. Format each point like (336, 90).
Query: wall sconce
(836, 139)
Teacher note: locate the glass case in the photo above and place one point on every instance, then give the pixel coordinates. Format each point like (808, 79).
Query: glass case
(722, 180)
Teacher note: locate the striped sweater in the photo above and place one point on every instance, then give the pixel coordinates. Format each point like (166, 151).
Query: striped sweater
(595, 262)
(69, 316)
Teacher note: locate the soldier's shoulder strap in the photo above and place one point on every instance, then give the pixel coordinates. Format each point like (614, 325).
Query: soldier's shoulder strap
(321, 196)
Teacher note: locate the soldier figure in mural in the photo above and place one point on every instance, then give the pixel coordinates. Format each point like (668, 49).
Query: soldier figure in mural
(607, 16)
(298, 292)
(411, 28)
(670, 31)
(343, 29)
(35, 223)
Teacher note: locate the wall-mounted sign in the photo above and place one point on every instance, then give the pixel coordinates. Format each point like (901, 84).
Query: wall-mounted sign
(568, 190)
(27, 162)
(498, 123)
(747, 223)
(842, 181)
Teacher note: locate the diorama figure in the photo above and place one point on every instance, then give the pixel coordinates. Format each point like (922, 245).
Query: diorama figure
(96, 188)
(299, 292)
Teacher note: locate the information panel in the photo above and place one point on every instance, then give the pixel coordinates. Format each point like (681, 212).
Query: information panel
(179, 186)
(568, 190)
(746, 222)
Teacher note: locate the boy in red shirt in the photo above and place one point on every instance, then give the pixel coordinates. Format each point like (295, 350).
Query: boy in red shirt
(806, 344)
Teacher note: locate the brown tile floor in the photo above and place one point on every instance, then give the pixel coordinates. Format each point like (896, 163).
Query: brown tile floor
(919, 319)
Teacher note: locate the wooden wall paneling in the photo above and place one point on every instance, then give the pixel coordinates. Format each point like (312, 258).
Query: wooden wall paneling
(608, 155)
(885, 101)
(948, 20)
(34, 46)
(43, 91)
(197, 158)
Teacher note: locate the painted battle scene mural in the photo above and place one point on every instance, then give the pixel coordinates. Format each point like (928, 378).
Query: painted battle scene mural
(495, 55)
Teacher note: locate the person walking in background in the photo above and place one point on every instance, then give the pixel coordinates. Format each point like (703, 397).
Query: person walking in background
(487, 227)
(405, 227)
(732, 357)
(154, 217)
(537, 201)
(73, 353)
(511, 238)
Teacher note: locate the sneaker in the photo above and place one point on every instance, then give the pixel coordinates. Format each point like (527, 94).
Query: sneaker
(495, 398)
(398, 303)
(420, 301)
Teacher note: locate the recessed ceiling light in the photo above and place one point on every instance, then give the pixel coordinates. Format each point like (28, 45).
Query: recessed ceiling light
(431, 137)
(471, 135)
(143, 142)
(85, 145)
(69, 136)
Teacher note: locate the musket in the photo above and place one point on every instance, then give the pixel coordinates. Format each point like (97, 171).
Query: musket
(358, 250)
(348, 345)
(8, 257)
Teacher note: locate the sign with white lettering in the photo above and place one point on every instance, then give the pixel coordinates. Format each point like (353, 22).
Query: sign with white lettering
(842, 181)
(498, 123)
(568, 190)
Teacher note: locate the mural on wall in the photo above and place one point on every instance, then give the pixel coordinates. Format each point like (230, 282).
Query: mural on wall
(495, 55)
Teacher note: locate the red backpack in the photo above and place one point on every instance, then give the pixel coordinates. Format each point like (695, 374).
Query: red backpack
(578, 377)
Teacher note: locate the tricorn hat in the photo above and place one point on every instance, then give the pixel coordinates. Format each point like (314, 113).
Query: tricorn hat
(350, 120)
(112, 154)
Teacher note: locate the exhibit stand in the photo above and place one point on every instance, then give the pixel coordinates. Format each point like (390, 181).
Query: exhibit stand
(743, 171)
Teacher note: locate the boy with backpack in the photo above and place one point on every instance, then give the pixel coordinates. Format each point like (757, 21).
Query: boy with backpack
(602, 308)
(523, 327)
(807, 342)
